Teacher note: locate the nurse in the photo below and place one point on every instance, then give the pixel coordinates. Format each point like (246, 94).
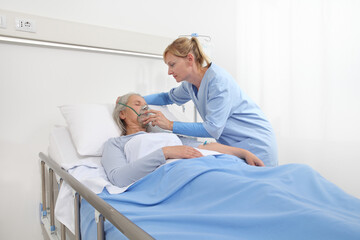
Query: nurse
(228, 114)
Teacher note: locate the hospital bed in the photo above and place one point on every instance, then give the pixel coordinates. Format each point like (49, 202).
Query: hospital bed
(214, 197)
(62, 155)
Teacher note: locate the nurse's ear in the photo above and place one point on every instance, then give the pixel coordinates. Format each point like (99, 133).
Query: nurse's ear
(190, 58)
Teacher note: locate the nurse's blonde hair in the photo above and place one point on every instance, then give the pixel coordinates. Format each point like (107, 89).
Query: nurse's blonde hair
(182, 46)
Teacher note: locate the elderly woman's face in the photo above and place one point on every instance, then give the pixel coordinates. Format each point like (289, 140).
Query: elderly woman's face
(136, 102)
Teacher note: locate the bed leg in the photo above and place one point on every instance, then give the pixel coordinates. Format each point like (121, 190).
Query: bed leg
(62, 226)
(77, 217)
(43, 193)
(52, 202)
(63, 232)
(99, 218)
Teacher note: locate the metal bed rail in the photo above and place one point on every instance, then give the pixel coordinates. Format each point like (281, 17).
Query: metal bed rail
(102, 209)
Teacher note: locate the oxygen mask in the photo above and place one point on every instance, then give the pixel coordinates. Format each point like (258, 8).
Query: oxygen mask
(141, 115)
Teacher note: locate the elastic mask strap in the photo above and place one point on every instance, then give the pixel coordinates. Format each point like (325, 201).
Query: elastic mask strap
(130, 108)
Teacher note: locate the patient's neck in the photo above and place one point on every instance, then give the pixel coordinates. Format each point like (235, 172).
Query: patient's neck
(134, 129)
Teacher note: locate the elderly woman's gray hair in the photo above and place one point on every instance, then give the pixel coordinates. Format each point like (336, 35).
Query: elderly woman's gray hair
(118, 108)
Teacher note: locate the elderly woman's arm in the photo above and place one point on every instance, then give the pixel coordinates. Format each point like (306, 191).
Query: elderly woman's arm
(121, 172)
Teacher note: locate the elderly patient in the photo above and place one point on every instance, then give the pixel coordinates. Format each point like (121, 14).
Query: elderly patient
(137, 152)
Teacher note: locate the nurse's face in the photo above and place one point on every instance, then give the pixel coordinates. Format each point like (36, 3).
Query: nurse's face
(178, 67)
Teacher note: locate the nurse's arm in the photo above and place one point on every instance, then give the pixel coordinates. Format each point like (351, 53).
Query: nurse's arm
(249, 157)
(184, 128)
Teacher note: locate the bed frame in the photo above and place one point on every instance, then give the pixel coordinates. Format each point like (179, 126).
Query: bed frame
(103, 211)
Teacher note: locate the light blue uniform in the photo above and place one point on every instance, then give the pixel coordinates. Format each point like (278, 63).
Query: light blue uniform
(229, 115)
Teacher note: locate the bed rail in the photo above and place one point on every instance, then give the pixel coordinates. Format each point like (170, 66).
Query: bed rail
(103, 209)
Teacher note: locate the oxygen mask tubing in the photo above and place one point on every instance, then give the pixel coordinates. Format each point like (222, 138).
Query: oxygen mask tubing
(141, 115)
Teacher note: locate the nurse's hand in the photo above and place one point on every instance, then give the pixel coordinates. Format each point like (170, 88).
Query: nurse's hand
(157, 118)
(253, 160)
(181, 151)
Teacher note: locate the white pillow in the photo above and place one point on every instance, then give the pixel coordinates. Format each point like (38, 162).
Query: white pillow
(91, 125)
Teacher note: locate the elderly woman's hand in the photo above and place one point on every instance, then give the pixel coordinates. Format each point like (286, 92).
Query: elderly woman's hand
(181, 151)
(157, 118)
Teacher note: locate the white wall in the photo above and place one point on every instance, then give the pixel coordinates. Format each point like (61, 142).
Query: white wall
(299, 59)
(34, 80)
(158, 17)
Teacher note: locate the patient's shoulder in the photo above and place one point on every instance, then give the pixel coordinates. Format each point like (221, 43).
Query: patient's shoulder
(115, 141)
(121, 140)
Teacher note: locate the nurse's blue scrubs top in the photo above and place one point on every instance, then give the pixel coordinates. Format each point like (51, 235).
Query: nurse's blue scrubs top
(228, 114)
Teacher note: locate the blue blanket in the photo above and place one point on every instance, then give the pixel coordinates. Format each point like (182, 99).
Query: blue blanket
(221, 197)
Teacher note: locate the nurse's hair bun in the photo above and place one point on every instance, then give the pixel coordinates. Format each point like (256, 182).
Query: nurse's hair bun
(182, 46)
